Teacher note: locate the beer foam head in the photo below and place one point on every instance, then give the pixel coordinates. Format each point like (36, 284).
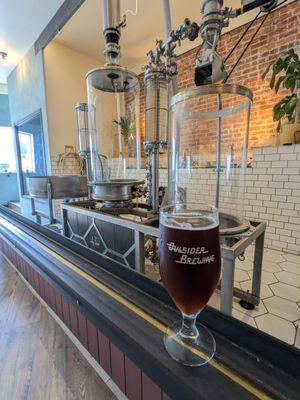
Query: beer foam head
(188, 221)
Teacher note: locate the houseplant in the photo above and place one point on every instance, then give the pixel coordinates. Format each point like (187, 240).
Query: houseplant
(285, 73)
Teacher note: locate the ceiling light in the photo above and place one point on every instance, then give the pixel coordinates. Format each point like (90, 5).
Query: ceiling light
(3, 55)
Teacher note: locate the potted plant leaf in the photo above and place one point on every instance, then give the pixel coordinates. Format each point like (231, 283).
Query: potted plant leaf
(285, 73)
(124, 124)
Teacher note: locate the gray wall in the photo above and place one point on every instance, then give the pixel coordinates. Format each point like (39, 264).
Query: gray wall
(4, 110)
(8, 188)
(26, 92)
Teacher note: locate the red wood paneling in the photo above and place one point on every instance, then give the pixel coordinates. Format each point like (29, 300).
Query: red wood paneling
(92, 340)
(66, 312)
(59, 304)
(52, 298)
(42, 287)
(117, 366)
(47, 293)
(74, 320)
(83, 336)
(104, 352)
(150, 391)
(133, 380)
(35, 280)
(129, 378)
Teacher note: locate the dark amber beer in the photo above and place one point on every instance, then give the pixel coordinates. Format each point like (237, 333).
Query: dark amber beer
(189, 260)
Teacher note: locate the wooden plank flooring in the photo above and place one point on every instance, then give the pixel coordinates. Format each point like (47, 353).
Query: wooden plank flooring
(37, 359)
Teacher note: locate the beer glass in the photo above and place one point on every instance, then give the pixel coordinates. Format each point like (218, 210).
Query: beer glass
(190, 266)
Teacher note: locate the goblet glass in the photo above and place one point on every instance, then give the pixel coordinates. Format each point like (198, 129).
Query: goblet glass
(190, 266)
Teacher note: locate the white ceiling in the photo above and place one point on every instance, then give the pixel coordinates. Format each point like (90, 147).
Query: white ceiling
(21, 22)
(83, 31)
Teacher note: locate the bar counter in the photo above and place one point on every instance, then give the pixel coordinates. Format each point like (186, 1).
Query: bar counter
(120, 316)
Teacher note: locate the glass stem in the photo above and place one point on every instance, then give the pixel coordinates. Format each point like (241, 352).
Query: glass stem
(189, 329)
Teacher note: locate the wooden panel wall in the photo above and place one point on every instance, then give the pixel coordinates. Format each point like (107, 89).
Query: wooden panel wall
(128, 377)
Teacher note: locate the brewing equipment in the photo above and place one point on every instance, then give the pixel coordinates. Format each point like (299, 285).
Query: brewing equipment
(207, 147)
(210, 124)
(50, 188)
(113, 120)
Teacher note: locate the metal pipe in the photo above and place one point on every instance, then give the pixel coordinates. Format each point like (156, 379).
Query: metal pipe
(219, 142)
(154, 159)
(111, 11)
(168, 29)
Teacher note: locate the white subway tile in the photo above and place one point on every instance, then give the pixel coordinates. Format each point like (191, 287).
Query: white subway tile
(262, 164)
(289, 156)
(290, 213)
(293, 227)
(294, 247)
(270, 189)
(279, 164)
(296, 192)
(274, 171)
(291, 171)
(258, 157)
(294, 178)
(283, 192)
(283, 232)
(260, 171)
(287, 239)
(272, 157)
(275, 211)
(265, 197)
(266, 177)
(281, 218)
(281, 178)
(294, 164)
(279, 245)
(276, 224)
(260, 184)
(256, 203)
(292, 185)
(273, 236)
(286, 149)
(286, 206)
(270, 204)
(278, 198)
(253, 190)
(269, 150)
(293, 199)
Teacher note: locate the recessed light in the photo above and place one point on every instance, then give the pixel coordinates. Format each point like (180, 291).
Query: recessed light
(3, 55)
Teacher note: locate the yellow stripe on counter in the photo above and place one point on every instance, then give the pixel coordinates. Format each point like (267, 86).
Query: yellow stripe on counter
(142, 314)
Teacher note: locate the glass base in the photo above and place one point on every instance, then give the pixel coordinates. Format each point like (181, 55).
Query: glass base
(191, 352)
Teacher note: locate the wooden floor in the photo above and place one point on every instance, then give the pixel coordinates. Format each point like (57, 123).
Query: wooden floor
(37, 360)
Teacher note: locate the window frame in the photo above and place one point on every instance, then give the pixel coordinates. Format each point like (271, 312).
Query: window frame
(16, 128)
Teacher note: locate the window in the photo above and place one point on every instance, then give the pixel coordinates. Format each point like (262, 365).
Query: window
(30, 147)
(7, 150)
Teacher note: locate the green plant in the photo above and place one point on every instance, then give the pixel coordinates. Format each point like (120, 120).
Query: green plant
(125, 125)
(286, 74)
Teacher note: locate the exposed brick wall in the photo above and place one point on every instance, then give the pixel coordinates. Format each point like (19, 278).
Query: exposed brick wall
(280, 32)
